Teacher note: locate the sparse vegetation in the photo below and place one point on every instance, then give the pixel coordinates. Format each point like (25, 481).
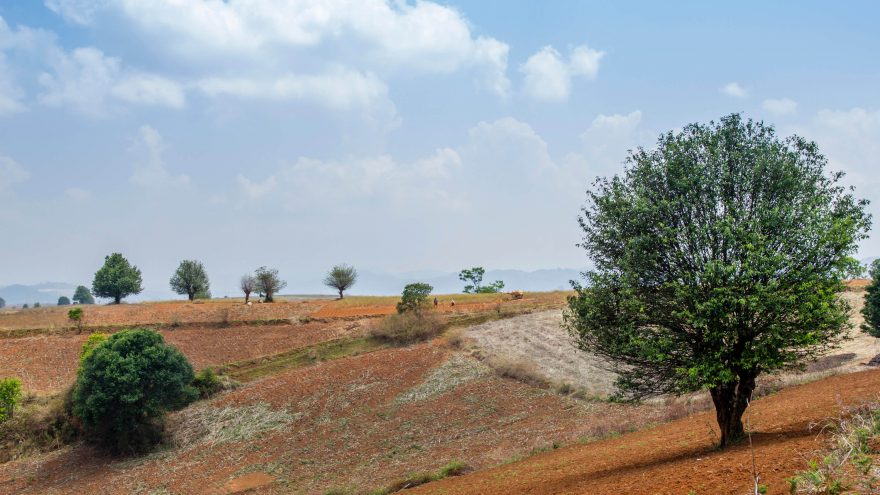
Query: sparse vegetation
(267, 283)
(191, 279)
(847, 466)
(117, 279)
(475, 278)
(719, 256)
(341, 278)
(414, 298)
(40, 425)
(125, 386)
(82, 295)
(871, 311)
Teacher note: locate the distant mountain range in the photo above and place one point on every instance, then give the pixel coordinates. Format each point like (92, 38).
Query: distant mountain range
(45, 293)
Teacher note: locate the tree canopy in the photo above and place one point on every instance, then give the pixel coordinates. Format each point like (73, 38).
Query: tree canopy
(125, 385)
(247, 284)
(117, 279)
(82, 295)
(718, 256)
(191, 279)
(268, 283)
(63, 301)
(341, 278)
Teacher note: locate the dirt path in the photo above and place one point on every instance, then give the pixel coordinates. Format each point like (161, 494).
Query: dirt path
(679, 457)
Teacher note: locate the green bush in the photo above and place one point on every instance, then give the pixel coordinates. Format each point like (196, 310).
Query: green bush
(90, 344)
(125, 386)
(10, 396)
(871, 310)
(407, 328)
(207, 383)
(414, 298)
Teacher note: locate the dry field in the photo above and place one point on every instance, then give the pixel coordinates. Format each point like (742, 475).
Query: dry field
(356, 423)
(156, 313)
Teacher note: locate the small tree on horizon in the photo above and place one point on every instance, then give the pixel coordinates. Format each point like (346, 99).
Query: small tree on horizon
(475, 277)
(871, 311)
(82, 295)
(63, 301)
(414, 298)
(341, 278)
(247, 284)
(2, 303)
(268, 283)
(117, 279)
(38, 305)
(191, 279)
(719, 256)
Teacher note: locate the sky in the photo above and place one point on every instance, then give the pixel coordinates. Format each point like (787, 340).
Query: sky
(395, 136)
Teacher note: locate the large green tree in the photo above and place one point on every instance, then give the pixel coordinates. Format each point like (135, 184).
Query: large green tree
(717, 256)
(117, 279)
(82, 295)
(125, 385)
(871, 310)
(191, 279)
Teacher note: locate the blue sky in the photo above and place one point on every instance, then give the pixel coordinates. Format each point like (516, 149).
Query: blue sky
(391, 135)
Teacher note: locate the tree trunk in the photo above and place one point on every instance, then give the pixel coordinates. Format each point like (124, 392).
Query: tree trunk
(117, 299)
(192, 296)
(340, 294)
(731, 400)
(247, 296)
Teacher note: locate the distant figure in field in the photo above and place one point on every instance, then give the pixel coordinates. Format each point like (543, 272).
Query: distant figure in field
(453, 302)
(436, 302)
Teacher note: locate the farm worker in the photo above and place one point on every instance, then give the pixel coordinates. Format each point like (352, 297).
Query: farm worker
(453, 302)
(436, 302)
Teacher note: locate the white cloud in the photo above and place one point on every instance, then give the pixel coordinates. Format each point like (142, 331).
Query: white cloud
(78, 194)
(735, 90)
(10, 93)
(150, 171)
(11, 173)
(548, 77)
(149, 89)
(782, 106)
(424, 36)
(341, 88)
(608, 139)
(256, 190)
(85, 79)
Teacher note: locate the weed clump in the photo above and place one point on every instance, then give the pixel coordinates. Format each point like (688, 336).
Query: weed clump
(207, 383)
(407, 328)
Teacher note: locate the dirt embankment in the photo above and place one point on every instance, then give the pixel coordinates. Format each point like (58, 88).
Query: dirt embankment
(680, 457)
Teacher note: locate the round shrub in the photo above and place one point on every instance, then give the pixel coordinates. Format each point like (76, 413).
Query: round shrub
(125, 386)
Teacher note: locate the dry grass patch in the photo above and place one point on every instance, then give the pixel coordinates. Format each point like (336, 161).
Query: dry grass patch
(217, 425)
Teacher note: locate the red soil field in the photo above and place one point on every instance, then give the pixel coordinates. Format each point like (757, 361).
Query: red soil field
(47, 363)
(349, 429)
(679, 457)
